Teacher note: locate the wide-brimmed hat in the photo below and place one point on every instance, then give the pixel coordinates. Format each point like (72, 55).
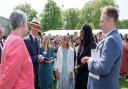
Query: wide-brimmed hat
(35, 21)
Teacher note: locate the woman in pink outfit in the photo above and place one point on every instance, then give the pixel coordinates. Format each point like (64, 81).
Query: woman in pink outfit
(16, 65)
(126, 56)
(124, 64)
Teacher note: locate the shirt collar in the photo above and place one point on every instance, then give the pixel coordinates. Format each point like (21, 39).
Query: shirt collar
(32, 35)
(110, 32)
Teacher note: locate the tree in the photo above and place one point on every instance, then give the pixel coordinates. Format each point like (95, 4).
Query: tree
(71, 18)
(123, 24)
(85, 14)
(92, 10)
(51, 16)
(26, 8)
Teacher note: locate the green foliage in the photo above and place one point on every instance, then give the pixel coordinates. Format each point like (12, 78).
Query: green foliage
(85, 14)
(92, 10)
(51, 16)
(31, 13)
(71, 18)
(123, 24)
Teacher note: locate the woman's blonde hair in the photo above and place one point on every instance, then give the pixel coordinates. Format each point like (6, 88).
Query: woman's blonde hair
(43, 42)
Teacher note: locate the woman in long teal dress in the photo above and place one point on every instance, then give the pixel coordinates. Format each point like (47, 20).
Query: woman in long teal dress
(46, 68)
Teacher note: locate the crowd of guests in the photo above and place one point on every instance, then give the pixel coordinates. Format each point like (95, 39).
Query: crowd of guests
(49, 56)
(124, 65)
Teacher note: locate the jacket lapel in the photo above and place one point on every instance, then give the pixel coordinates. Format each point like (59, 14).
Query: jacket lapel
(32, 43)
(101, 44)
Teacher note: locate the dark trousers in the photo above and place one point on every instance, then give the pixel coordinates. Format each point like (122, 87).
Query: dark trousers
(81, 84)
(36, 77)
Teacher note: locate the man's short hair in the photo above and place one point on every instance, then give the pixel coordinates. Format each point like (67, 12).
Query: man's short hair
(111, 12)
(16, 18)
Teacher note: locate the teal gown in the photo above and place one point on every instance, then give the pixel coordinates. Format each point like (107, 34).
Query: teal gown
(46, 70)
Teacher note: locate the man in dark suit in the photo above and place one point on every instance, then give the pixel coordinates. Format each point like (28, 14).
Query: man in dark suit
(32, 45)
(1, 40)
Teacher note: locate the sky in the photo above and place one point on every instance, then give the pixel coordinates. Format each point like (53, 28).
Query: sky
(7, 6)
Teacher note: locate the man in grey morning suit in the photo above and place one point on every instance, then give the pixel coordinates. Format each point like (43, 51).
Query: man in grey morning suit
(104, 72)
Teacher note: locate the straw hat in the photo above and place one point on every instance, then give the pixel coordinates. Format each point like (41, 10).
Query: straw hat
(35, 21)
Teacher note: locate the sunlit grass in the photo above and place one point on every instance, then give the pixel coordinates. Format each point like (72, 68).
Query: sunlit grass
(123, 83)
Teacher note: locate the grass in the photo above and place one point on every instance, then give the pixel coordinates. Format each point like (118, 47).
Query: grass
(54, 84)
(123, 83)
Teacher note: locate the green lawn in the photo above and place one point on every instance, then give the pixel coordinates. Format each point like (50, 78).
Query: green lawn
(123, 83)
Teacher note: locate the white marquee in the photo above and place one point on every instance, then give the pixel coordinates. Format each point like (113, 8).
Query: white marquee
(64, 32)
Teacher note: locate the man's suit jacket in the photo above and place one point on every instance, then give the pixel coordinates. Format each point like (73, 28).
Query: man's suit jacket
(0, 54)
(33, 48)
(108, 66)
(1, 47)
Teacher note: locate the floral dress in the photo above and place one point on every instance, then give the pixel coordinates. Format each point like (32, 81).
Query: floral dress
(64, 82)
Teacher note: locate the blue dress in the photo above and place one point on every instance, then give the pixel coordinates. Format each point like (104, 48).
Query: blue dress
(64, 82)
(46, 70)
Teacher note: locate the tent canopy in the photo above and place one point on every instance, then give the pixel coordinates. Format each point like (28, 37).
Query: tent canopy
(65, 32)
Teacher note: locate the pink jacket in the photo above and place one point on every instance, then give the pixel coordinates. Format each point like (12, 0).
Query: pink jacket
(16, 65)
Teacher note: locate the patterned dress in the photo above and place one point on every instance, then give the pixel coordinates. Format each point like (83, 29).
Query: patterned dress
(64, 82)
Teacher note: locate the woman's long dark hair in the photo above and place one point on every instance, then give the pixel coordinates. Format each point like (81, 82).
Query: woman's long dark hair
(87, 35)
